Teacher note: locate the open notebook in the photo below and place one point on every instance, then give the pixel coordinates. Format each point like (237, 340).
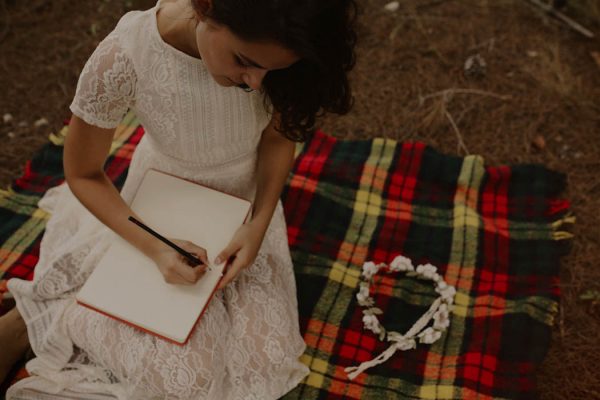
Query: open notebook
(128, 286)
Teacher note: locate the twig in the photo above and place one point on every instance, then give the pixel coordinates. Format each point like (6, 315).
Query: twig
(555, 13)
(461, 142)
(432, 48)
(447, 92)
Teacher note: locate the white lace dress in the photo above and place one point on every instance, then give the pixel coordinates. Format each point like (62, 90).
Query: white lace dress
(248, 344)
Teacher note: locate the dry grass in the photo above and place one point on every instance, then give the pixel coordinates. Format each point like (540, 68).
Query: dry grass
(539, 80)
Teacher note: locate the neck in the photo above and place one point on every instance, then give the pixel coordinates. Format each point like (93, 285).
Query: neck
(189, 33)
(178, 28)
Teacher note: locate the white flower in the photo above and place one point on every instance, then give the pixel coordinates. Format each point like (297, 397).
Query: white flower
(363, 293)
(447, 293)
(371, 323)
(401, 263)
(369, 319)
(429, 336)
(441, 324)
(441, 318)
(369, 269)
(442, 285)
(426, 271)
(443, 309)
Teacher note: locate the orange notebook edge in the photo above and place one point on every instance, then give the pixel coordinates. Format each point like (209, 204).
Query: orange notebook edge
(81, 303)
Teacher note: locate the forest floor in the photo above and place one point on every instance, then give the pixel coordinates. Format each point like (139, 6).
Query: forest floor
(536, 100)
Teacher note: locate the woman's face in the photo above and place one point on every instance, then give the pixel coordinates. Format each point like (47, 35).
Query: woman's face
(233, 61)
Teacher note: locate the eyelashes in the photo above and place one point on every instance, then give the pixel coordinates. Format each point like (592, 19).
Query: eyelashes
(241, 62)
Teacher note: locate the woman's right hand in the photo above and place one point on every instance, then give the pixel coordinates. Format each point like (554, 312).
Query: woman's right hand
(174, 266)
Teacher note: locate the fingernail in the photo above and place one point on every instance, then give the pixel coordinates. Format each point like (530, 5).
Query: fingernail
(218, 260)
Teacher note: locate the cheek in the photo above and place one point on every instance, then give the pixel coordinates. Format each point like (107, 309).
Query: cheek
(206, 50)
(217, 58)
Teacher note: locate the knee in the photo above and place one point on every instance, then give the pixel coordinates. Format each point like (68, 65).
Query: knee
(184, 372)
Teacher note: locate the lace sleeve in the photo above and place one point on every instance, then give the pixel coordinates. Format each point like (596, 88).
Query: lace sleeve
(106, 86)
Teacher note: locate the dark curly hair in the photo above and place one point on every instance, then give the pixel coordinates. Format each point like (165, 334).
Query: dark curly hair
(321, 32)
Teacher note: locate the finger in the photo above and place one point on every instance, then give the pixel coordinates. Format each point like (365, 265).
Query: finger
(192, 272)
(232, 271)
(224, 255)
(196, 250)
(203, 255)
(174, 278)
(186, 272)
(200, 270)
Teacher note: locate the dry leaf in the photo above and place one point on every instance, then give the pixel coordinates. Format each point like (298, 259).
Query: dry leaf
(539, 142)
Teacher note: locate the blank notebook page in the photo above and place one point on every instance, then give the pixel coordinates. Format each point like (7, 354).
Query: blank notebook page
(129, 286)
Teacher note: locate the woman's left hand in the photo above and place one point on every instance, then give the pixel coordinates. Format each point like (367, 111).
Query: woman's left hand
(241, 251)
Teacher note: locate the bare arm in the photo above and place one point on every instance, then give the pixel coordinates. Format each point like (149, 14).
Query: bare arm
(275, 159)
(85, 152)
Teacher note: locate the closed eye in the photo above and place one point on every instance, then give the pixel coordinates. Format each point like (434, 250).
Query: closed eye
(241, 62)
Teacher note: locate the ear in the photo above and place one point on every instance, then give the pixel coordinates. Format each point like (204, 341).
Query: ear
(202, 8)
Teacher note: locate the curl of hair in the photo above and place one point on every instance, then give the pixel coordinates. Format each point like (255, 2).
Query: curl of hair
(321, 32)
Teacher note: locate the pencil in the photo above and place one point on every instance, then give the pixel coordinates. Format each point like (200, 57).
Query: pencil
(195, 261)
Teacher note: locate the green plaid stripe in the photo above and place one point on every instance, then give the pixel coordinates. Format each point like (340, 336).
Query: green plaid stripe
(372, 200)
(491, 232)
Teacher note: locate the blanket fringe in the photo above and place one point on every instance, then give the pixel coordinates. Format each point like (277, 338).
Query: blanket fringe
(559, 223)
(58, 139)
(562, 235)
(568, 219)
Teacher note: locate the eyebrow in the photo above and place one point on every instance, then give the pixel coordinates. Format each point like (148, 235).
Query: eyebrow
(250, 61)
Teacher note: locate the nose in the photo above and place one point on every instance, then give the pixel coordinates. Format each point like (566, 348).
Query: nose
(254, 77)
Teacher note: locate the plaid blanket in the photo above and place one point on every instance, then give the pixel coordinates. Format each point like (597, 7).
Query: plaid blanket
(495, 233)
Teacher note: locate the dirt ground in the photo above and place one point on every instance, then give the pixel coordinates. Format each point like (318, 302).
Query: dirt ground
(536, 99)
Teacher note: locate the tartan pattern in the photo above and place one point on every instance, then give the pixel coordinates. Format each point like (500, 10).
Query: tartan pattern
(491, 231)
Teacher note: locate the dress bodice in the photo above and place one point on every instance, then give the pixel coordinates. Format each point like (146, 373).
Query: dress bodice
(186, 114)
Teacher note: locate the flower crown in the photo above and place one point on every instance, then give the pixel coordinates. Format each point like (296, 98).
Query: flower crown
(439, 310)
